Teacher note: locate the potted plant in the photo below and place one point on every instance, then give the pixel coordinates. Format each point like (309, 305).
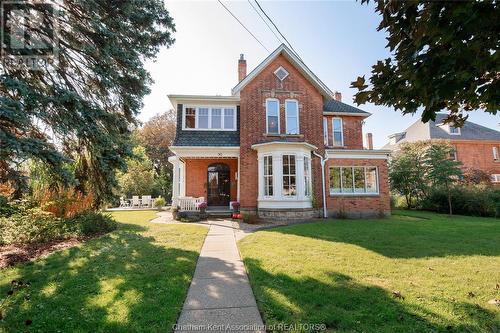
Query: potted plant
(202, 206)
(236, 209)
(159, 203)
(175, 211)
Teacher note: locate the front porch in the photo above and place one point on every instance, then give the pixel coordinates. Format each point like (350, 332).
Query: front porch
(205, 174)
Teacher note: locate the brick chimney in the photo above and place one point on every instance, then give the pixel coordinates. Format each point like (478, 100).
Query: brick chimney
(338, 96)
(369, 141)
(242, 68)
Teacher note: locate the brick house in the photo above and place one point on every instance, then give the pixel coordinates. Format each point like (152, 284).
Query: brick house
(476, 146)
(282, 144)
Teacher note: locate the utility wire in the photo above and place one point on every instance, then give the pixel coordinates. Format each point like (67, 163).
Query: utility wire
(258, 4)
(264, 20)
(243, 26)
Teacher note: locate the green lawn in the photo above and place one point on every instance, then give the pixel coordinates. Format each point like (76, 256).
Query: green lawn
(134, 279)
(343, 273)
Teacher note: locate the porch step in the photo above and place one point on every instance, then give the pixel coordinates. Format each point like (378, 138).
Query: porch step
(218, 212)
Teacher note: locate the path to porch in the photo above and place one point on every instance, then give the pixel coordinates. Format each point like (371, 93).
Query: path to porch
(220, 296)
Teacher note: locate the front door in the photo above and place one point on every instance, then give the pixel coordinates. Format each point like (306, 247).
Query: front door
(218, 185)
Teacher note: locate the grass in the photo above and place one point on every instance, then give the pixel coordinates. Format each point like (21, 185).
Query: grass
(133, 279)
(343, 273)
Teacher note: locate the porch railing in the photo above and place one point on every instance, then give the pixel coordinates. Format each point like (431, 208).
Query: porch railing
(189, 204)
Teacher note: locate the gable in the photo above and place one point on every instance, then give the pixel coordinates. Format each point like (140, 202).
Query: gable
(295, 62)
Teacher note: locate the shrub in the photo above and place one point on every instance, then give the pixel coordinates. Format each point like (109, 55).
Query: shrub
(159, 202)
(470, 200)
(93, 223)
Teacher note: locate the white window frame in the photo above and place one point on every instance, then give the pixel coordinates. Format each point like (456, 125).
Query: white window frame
(267, 116)
(289, 175)
(457, 128)
(307, 177)
(341, 131)
(277, 70)
(268, 176)
(286, 116)
(495, 178)
(325, 131)
(210, 107)
(365, 193)
(496, 157)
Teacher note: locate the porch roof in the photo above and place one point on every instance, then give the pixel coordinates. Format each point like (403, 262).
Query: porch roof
(205, 151)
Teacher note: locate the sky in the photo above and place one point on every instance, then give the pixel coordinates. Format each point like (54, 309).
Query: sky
(337, 40)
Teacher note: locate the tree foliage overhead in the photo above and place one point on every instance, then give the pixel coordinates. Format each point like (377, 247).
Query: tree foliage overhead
(82, 109)
(444, 56)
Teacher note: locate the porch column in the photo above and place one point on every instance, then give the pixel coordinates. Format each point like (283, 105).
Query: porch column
(260, 174)
(175, 179)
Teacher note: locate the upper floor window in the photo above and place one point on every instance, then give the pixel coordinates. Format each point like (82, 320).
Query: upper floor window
(325, 131)
(289, 175)
(292, 116)
(210, 118)
(454, 130)
(453, 154)
(495, 154)
(338, 132)
(273, 116)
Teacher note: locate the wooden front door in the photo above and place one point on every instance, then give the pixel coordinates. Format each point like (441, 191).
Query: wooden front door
(218, 185)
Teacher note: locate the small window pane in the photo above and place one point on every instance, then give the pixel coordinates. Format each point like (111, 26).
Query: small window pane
(216, 118)
(190, 118)
(307, 176)
(337, 132)
(229, 119)
(289, 179)
(325, 131)
(337, 139)
(347, 180)
(203, 118)
(359, 180)
(335, 180)
(291, 109)
(371, 180)
(268, 175)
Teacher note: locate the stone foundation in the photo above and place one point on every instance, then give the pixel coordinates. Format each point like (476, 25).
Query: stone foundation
(289, 214)
(358, 214)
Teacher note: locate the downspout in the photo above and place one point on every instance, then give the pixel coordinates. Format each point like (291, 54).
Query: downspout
(323, 162)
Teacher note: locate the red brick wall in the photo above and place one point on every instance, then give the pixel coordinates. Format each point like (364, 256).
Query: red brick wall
(253, 122)
(196, 176)
(359, 206)
(353, 131)
(477, 155)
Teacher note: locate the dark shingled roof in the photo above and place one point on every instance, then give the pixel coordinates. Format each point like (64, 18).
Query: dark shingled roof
(469, 131)
(336, 106)
(206, 138)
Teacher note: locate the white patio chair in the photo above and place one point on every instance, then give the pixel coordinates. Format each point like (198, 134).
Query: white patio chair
(146, 201)
(124, 203)
(136, 202)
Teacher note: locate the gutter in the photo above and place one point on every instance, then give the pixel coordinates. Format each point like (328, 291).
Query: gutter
(323, 162)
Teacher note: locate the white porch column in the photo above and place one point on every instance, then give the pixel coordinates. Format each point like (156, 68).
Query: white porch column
(299, 171)
(260, 160)
(278, 174)
(175, 179)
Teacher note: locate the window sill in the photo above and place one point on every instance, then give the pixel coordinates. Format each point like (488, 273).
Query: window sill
(283, 135)
(354, 194)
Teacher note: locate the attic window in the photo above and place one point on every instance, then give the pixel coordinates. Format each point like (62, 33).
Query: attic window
(281, 73)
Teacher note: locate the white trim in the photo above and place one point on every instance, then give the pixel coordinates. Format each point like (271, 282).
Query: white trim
(457, 128)
(283, 49)
(267, 115)
(495, 178)
(205, 151)
(273, 145)
(281, 68)
(356, 114)
(379, 154)
(326, 134)
(286, 116)
(495, 153)
(181, 99)
(354, 194)
(210, 107)
(341, 132)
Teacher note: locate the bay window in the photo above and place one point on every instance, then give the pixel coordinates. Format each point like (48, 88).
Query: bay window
(307, 176)
(289, 175)
(353, 180)
(338, 133)
(268, 176)
(272, 116)
(209, 118)
(292, 116)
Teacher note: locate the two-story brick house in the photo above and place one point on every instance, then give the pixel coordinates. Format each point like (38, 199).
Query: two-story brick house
(282, 144)
(476, 146)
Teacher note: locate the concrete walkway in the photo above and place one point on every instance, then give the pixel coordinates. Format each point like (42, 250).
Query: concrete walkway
(220, 297)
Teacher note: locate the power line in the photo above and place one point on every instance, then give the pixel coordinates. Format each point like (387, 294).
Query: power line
(243, 26)
(263, 20)
(258, 4)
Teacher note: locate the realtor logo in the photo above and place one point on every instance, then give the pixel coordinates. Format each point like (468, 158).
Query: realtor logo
(29, 34)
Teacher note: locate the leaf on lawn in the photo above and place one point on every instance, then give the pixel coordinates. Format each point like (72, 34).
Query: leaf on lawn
(397, 294)
(495, 301)
(471, 294)
(431, 269)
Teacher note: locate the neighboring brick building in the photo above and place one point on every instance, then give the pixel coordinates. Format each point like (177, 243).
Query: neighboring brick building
(268, 143)
(476, 146)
